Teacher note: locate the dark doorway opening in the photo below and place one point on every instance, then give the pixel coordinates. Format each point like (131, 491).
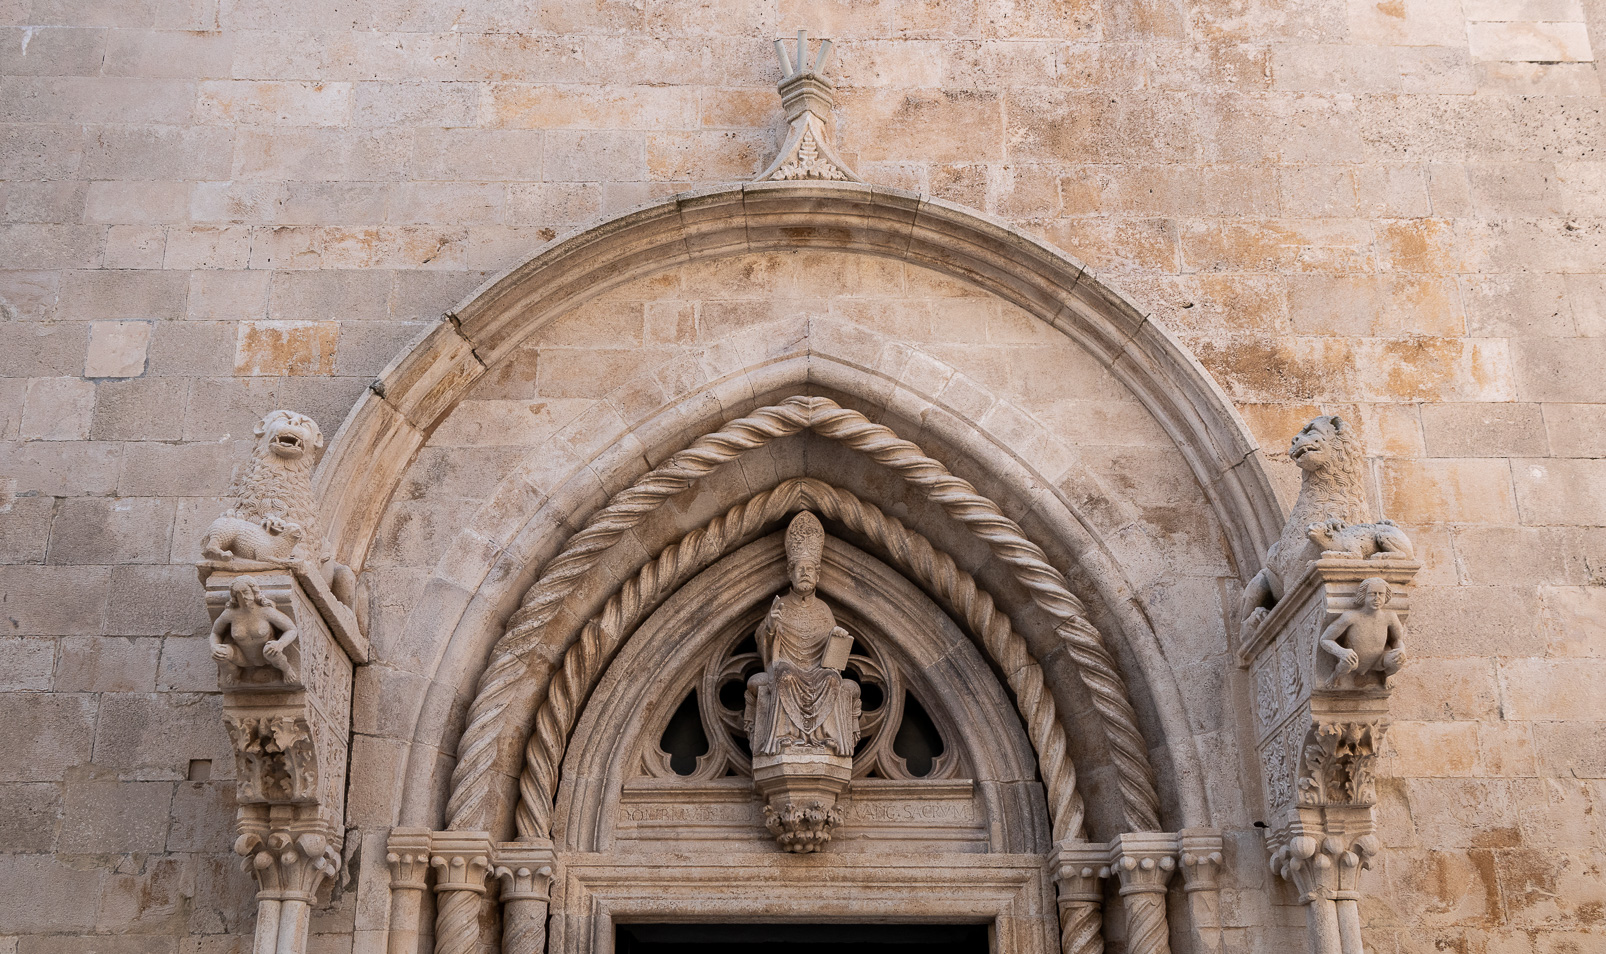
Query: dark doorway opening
(801, 938)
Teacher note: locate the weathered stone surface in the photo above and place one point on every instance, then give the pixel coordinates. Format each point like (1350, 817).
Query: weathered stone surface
(1387, 212)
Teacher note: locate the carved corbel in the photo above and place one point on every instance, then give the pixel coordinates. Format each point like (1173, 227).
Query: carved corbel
(808, 98)
(525, 871)
(1144, 862)
(1327, 631)
(462, 861)
(285, 644)
(1079, 872)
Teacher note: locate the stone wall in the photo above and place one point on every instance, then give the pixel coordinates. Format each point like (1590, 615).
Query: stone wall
(208, 209)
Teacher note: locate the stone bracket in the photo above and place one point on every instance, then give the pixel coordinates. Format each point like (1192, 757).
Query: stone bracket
(1318, 736)
(286, 676)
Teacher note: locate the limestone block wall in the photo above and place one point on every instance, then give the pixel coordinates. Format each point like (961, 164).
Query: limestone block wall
(1392, 211)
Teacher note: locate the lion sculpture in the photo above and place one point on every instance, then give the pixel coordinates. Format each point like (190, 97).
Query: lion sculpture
(1329, 518)
(272, 517)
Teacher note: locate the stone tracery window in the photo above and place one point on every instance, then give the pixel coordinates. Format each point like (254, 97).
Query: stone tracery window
(901, 736)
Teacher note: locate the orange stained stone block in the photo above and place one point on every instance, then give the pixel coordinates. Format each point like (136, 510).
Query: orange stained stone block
(1418, 245)
(286, 347)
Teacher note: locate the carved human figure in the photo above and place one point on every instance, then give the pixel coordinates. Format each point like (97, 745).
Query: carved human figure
(1365, 642)
(251, 635)
(801, 698)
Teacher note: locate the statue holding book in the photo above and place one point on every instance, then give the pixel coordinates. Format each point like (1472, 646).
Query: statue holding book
(801, 699)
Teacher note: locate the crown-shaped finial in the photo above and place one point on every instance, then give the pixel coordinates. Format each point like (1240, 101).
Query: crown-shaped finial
(807, 98)
(788, 70)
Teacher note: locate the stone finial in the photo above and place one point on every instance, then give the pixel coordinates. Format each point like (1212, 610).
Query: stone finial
(808, 98)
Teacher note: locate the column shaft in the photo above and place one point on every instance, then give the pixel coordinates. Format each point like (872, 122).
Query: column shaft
(1349, 925)
(267, 934)
(1081, 927)
(295, 918)
(524, 926)
(1321, 916)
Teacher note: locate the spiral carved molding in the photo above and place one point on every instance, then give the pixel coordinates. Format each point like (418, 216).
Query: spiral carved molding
(586, 660)
(473, 782)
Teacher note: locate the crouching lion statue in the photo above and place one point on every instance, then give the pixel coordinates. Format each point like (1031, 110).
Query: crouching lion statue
(272, 517)
(1329, 518)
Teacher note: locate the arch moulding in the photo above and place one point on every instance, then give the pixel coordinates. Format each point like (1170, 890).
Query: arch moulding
(379, 438)
(373, 449)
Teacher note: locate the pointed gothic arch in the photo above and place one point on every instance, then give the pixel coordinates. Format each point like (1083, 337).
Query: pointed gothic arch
(371, 453)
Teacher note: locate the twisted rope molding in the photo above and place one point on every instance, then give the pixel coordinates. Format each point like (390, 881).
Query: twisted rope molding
(472, 784)
(586, 660)
(1081, 928)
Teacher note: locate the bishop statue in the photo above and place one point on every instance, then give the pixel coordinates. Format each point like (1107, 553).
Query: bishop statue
(800, 700)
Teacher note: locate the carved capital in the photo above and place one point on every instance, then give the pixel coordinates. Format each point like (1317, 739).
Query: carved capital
(290, 863)
(408, 855)
(1322, 851)
(1144, 861)
(1200, 855)
(525, 870)
(1079, 868)
(274, 756)
(462, 860)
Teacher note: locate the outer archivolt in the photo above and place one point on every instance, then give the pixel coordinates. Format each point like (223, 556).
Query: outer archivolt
(472, 790)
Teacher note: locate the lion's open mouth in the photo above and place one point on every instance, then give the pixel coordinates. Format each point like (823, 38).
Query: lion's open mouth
(288, 442)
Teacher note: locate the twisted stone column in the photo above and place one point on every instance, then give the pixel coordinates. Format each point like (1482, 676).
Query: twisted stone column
(408, 856)
(1144, 862)
(462, 860)
(1079, 870)
(525, 870)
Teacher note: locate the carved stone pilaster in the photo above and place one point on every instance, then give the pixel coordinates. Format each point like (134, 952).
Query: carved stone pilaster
(408, 855)
(1144, 862)
(808, 98)
(462, 861)
(1319, 720)
(525, 870)
(1079, 871)
(286, 679)
(1200, 859)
